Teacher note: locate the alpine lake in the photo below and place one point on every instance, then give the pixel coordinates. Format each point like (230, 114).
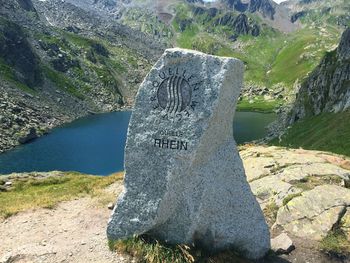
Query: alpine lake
(95, 144)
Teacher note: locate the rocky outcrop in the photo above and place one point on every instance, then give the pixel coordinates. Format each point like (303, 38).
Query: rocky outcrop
(343, 51)
(240, 24)
(27, 5)
(251, 90)
(327, 89)
(265, 7)
(303, 193)
(297, 15)
(236, 5)
(314, 213)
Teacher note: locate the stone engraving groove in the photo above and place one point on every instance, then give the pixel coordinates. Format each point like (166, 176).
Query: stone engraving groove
(174, 94)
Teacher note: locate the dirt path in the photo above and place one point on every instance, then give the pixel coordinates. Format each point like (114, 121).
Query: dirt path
(74, 231)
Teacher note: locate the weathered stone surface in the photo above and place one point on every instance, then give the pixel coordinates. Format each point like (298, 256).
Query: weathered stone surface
(270, 187)
(282, 244)
(314, 214)
(184, 180)
(299, 172)
(258, 167)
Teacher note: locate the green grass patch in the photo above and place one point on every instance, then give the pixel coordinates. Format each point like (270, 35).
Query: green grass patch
(301, 53)
(258, 105)
(326, 132)
(37, 193)
(310, 182)
(62, 82)
(79, 40)
(8, 74)
(289, 198)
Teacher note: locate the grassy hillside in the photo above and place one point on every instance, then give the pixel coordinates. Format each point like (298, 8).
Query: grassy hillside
(36, 193)
(327, 132)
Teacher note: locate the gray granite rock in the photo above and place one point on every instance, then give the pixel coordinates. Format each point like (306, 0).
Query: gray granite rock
(282, 244)
(184, 181)
(313, 214)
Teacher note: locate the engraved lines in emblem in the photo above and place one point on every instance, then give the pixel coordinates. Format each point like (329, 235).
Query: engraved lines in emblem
(174, 94)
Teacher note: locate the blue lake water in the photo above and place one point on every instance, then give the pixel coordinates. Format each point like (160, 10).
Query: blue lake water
(95, 144)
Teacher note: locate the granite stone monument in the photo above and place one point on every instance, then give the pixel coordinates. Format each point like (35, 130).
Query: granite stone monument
(184, 179)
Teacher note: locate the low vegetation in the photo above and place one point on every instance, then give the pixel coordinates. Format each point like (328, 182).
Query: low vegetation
(152, 251)
(310, 182)
(336, 244)
(48, 192)
(326, 132)
(146, 250)
(270, 212)
(290, 197)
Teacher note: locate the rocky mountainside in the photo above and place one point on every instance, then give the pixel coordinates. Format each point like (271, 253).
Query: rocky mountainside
(318, 117)
(327, 89)
(59, 62)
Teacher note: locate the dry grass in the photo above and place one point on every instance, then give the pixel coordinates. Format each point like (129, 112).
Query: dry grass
(48, 192)
(146, 250)
(270, 212)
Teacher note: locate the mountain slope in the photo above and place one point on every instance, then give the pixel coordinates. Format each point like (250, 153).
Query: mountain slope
(328, 87)
(59, 62)
(319, 118)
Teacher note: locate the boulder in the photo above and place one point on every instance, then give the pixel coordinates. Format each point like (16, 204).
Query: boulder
(29, 136)
(282, 244)
(184, 181)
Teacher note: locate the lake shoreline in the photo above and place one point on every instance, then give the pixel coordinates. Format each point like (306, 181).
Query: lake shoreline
(58, 124)
(94, 144)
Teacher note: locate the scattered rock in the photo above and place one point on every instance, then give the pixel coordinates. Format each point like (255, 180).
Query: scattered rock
(31, 135)
(8, 184)
(110, 206)
(282, 244)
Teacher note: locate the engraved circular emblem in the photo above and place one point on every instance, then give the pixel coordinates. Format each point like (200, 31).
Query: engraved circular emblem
(174, 94)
